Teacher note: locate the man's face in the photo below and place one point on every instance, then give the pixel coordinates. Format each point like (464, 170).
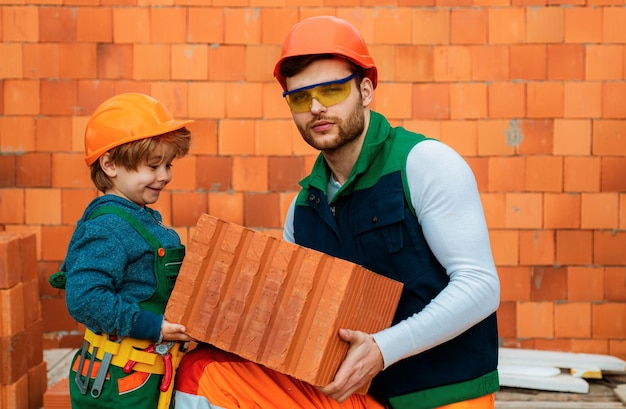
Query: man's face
(328, 128)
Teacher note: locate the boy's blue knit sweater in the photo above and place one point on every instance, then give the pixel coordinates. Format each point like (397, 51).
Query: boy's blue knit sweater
(109, 269)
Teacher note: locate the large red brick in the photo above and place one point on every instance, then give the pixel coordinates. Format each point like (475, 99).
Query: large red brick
(10, 260)
(58, 396)
(274, 302)
(14, 357)
(12, 310)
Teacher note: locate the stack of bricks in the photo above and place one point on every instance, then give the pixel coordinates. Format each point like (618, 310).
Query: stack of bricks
(276, 303)
(23, 375)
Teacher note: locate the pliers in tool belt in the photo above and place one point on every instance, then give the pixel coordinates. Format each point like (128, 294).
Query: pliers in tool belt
(162, 349)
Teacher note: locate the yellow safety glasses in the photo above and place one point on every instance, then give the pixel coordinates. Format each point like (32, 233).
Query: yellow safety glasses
(327, 93)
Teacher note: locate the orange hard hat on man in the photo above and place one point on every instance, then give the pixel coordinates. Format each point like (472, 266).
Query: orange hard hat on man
(327, 35)
(126, 118)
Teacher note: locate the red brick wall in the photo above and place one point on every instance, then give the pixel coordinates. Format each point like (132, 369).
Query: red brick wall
(530, 92)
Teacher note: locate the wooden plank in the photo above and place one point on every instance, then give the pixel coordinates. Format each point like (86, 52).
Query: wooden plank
(514, 356)
(620, 392)
(528, 370)
(559, 383)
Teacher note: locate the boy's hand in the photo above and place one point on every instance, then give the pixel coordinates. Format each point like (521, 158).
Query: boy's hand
(173, 332)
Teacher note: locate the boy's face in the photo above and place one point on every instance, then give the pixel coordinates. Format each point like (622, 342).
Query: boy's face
(144, 185)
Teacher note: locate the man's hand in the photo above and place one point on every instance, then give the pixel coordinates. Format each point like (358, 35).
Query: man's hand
(361, 364)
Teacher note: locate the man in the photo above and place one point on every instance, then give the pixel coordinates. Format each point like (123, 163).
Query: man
(403, 206)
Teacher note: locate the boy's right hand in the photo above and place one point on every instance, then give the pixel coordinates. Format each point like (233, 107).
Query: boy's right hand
(174, 332)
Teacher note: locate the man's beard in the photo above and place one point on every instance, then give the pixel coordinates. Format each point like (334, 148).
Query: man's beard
(348, 130)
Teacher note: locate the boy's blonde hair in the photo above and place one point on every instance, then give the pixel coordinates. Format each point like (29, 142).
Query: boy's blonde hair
(132, 154)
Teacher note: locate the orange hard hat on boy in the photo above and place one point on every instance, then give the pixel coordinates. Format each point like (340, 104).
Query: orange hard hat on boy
(126, 118)
(327, 35)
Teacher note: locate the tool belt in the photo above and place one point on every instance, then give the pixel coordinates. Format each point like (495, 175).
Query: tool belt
(128, 349)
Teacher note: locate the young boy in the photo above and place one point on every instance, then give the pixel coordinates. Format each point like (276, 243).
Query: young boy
(122, 262)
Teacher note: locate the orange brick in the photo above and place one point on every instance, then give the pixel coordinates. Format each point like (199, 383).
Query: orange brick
(480, 169)
(572, 320)
(608, 247)
(490, 63)
(615, 282)
(131, 25)
(12, 315)
(544, 99)
(115, 61)
(561, 210)
(493, 205)
(536, 247)
(74, 202)
(622, 211)
(505, 247)
(227, 206)
(617, 348)
(15, 356)
(187, 207)
(275, 137)
(58, 395)
(468, 100)
(544, 174)
(574, 247)
(261, 210)
(433, 23)
(12, 61)
(613, 20)
(400, 19)
(190, 61)
(462, 136)
(599, 210)
(498, 137)
(54, 241)
(32, 306)
(507, 25)
(236, 137)
(506, 174)
(572, 137)
(243, 100)
(42, 206)
(151, 62)
(583, 25)
(21, 97)
(259, 62)
(8, 170)
(506, 99)
(391, 100)
(535, 320)
(250, 173)
(514, 283)
(585, 284)
(608, 320)
(57, 24)
(241, 26)
(452, 63)
(583, 100)
(548, 284)
(611, 176)
(604, 62)
(582, 174)
(69, 170)
(15, 394)
(284, 173)
(53, 133)
(41, 60)
(37, 385)
(566, 62)
(17, 134)
(537, 136)
(12, 206)
(10, 260)
(78, 60)
(33, 170)
(431, 101)
(226, 63)
(198, 31)
(506, 315)
(613, 100)
(94, 24)
(545, 24)
(168, 24)
(529, 61)
(468, 26)
(241, 308)
(523, 210)
(20, 23)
